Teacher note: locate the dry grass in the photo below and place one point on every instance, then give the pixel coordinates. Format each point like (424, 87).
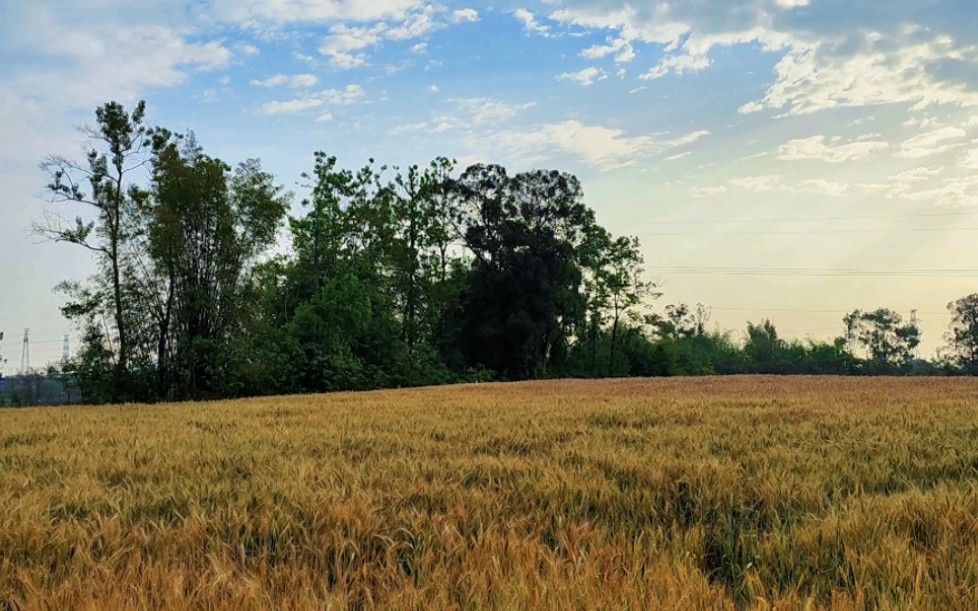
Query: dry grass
(708, 493)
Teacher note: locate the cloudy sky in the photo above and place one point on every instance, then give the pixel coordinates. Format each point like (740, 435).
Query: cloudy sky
(791, 158)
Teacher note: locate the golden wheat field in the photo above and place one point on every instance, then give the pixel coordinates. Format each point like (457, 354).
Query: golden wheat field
(700, 494)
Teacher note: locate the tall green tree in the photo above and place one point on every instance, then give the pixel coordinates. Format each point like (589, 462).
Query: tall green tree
(683, 321)
(336, 311)
(105, 187)
(764, 349)
(962, 338)
(207, 226)
(420, 240)
(887, 341)
(528, 234)
(621, 287)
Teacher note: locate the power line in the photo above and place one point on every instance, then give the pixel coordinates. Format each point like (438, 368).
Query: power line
(804, 219)
(804, 311)
(824, 272)
(813, 232)
(823, 330)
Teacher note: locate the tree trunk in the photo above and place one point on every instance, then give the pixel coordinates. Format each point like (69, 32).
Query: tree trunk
(614, 341)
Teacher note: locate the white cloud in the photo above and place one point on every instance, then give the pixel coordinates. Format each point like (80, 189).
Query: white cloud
(900, 55)
(914, 184)
(416, 25)
(678, 156)
(274, 81)
(530, 23)
(903, 184)
(585, 77)
(484, 110)
(466, 15)
(677, 64)
(759, 184)
(818, 77)
(348, 44)
(819, 186)
(705, 192)
(329, 97)
(291, 106)
(469, 113)
(259, 14)
(304, 80)
(92, 65)
(910, 177)
(410, 128)
(817, 148)
(920, 122)
(969, 160)
(299, 81)
(931, 143)
(398, 67)
(601, 147)
(597, 146)
(344, 44)
(621, 47)
(957, 191)
(249, 50)
(690, 138)
(343, 97)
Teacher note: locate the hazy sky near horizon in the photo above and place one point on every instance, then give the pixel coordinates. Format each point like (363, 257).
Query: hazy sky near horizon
(763, 150)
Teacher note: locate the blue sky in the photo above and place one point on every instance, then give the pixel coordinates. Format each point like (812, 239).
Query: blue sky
(704, 127)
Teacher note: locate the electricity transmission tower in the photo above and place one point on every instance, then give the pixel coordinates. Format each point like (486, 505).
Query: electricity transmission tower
(66, 349)
(25, 353)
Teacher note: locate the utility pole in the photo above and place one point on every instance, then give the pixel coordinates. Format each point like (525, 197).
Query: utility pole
(25, 354)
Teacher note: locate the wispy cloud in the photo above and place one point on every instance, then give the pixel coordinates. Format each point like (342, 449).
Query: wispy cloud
(351, 94)
(931, 143)
(600, 147)
(822, 148)
(530, 23)
(585, 77)
(298, 81)
(466, 15)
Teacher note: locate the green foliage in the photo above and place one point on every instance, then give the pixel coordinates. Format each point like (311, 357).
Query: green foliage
(205, 226)
(888, 342)
(394, 278)
(120, 144)
(529, 235)
(963, 335)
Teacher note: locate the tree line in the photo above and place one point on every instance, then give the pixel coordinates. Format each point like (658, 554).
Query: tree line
(391, 277)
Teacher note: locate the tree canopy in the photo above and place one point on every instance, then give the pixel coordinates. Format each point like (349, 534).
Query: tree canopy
(205, 287)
